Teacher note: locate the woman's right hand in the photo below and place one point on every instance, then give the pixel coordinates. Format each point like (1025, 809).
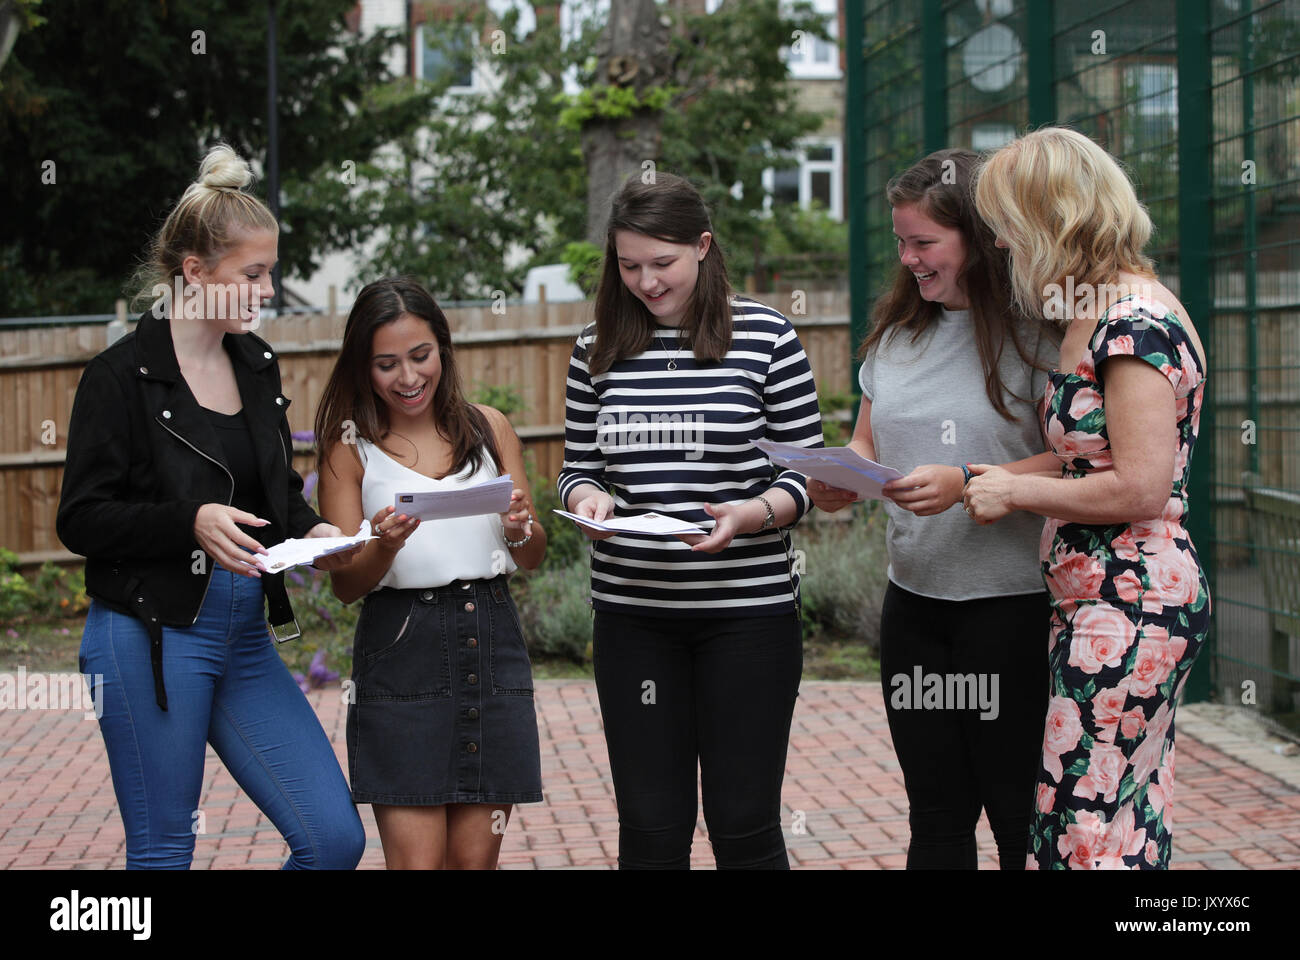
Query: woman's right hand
(393, 531)
(216, 533)
(830, 499)
(597, 506)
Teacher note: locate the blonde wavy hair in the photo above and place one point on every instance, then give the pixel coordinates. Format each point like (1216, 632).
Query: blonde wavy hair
(1065, 208)
(212, 216)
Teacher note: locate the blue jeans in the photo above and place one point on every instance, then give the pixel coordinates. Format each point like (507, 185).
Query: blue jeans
(227, 686)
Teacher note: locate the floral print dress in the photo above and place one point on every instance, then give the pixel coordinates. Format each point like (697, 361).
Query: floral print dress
(1131, 608)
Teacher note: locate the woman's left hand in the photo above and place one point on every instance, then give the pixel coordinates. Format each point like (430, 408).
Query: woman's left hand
(518, 520)
(988, 496)
(730, 520)
(335, 560)
(927, 490)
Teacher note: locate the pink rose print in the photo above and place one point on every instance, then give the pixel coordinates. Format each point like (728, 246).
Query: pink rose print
(1101, 636)
(1174, 576)
(1148, 755)
(1154, 662)
(1061, 735)
(1160, 791)
(1122, 344)
(1125, 546)
(1152, 853)
(1046, 798)
(1128, 587)
(1131, 723)
(1084, 402)
(1082, 841)
(1122, 839)
(1105, 768)
(1107, 708)
(1076, 575)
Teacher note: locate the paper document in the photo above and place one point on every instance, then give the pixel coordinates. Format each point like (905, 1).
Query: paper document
(651, 524)
(834, 466)
(492, 496)
(296, 552)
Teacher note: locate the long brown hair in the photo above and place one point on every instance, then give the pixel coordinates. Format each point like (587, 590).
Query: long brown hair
(350, 396)
(669, 209)
(940, 188)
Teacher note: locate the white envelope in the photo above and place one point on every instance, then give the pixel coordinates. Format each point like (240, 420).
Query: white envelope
(491, 496)
(299, 551)
(646, 524)
(840, 467)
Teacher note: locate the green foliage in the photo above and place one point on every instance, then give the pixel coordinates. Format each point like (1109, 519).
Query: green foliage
(505, 168)
(507, 399)
(585, 262)
(610, 103)
(845, 570)
(836, 431)
(555, 611)
(54, 592)
(119, 97)
(326, 623)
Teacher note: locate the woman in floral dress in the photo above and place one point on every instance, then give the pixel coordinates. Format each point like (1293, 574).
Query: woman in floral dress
(1130, 601)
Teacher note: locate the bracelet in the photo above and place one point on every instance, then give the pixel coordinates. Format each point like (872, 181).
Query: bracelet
(769, 520)
(966, 475)
(519, 543)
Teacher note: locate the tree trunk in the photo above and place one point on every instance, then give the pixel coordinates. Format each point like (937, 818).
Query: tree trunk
(633, 53)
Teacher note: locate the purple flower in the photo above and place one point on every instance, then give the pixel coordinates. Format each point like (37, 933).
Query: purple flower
(12, 632)
(325, 614)
(296, 577)
(304, 436)
(301, 681)
(318, 673)
(309, 485)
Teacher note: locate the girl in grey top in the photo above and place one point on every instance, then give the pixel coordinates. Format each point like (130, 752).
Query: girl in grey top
(950, 376)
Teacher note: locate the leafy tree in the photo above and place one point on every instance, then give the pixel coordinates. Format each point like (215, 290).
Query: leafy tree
(497, 181)
(107, 107)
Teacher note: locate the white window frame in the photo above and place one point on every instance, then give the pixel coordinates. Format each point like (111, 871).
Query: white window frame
(834, 166)
(476, 84)
(802, 66)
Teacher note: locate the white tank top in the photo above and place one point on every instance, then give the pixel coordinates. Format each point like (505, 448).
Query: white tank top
(440, 551)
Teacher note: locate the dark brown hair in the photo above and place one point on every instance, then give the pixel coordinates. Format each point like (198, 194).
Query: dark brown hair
(948, 200)
(350, 394)
(668, 209)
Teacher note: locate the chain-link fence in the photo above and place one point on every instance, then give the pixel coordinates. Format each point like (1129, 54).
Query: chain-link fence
(1200, 99)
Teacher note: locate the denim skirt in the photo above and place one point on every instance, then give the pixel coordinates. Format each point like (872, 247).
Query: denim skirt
(442, 699)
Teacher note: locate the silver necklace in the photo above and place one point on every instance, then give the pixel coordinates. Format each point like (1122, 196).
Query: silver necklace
(672, 361)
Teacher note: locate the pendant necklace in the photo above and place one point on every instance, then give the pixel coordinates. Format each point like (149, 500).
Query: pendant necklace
(672, 361)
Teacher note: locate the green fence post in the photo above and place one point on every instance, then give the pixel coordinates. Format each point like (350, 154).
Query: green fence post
(1194, 239)
(934, 72)
(855, 139)
(1040, 17)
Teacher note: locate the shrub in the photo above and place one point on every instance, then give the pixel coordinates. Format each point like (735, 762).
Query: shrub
(555, 612)
(845, 569)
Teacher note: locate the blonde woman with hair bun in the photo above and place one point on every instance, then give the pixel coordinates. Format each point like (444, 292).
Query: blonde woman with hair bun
(179, 472)
(1130, 601)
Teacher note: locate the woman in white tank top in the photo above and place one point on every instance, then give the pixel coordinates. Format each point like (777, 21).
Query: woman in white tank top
(441, 729)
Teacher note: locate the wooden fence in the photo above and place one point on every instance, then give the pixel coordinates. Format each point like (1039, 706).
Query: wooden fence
(523, 346)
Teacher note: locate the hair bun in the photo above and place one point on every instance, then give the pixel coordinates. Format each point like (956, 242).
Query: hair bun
(223, 169)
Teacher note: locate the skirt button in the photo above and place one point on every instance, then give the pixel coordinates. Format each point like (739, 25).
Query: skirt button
(472, 747)
(473, 713)
(469, 607)
(472, 679)
(427, 595)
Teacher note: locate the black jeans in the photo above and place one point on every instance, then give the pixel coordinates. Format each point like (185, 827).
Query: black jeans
(717, 689)
(957, 761)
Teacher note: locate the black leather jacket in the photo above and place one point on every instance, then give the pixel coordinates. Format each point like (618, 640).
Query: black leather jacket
(142, 458)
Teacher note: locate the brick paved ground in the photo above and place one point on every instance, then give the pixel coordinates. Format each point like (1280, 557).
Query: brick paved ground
(57, 808)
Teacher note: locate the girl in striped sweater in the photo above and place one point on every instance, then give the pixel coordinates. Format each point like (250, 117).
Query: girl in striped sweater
(697, 639)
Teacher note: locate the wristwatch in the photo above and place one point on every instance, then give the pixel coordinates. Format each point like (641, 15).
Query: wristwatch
(965, 474)
(769, 520)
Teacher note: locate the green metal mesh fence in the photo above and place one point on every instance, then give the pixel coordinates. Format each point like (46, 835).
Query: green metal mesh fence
(1223, 189)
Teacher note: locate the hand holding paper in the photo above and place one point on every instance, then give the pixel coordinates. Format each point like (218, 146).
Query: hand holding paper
(491, 496)
(840, 467)
(646, 524)
(300, 551)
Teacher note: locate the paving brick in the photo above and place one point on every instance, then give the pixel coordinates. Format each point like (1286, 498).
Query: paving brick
(843, 805)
